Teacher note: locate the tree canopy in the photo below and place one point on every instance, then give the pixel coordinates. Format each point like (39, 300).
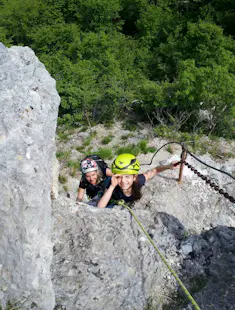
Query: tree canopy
(155, 60)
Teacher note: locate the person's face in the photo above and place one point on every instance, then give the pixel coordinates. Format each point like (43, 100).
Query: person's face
(91, 177)
(125, 181)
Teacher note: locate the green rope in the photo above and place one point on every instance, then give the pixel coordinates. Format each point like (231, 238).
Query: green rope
(189, 296)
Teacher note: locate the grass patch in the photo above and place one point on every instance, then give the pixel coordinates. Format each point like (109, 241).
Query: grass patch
(130, 149)
(63, 136)
(169, 149)
(62, 179)
(107, 140)
(129, 126)
(87, 141)
(65, 187)
(143, 146)
(196, 143)
(105, 153)
(140, 148)
(74, 167)
(63, 155)
(80, 148)
(151, 149)
(125, 137)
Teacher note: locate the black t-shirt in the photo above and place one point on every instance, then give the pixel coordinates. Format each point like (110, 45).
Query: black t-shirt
(92, 190)
(118, 193)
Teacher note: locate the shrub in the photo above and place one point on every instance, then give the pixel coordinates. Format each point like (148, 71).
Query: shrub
(163, 131)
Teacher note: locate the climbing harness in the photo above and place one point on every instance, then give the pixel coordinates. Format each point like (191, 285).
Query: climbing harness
(188, 295)
(182, 162)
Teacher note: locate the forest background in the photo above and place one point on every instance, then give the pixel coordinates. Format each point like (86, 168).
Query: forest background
(167, 62)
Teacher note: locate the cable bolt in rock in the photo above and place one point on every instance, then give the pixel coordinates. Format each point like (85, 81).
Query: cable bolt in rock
(207, 180)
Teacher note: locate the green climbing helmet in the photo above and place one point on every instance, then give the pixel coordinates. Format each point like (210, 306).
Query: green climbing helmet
(125, 164)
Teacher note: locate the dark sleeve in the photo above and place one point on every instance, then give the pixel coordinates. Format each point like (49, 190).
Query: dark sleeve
(106, 183)
(104, 171)
(141, 179)
(83, 184)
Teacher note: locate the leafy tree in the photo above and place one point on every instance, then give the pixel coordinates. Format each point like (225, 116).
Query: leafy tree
(98, 15)
(19, 17)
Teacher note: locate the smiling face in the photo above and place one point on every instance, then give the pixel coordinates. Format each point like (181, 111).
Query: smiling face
(92, 177)
(126, 181)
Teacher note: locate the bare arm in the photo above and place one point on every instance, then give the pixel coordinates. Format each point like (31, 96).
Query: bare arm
(108, 172)
(80, 196)
(151, 173)
(104, 200)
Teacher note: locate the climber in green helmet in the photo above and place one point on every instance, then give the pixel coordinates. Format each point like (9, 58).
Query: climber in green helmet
(126, 183)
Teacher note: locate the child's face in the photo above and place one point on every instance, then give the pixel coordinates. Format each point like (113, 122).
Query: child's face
(91, 177)
(125, 181)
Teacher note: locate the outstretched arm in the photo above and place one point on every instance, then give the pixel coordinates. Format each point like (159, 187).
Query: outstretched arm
(80, 196)
(108, 172)
(104, 200)
(151, 173)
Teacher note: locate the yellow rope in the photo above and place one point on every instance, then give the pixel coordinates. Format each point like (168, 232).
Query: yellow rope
(189, 296)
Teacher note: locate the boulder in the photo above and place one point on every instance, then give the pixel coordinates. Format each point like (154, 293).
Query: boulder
(28, 115)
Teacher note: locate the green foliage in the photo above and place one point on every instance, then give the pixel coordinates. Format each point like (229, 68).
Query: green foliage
(65, 188)
(169, 149)
(125, 137)
(80, 148)
(135, 59)
(105, 153)
(88, 140)
(163, 131)
(151, 149)
(62, 179)
(143, 145)
(131, 149)
(129, 125)
(63, 136)
(74, 167)
(107, 139)
(63, 155)
(99, 14)
(73, 164)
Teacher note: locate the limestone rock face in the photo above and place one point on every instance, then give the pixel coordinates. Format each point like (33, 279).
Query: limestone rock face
(210, 268)
(196, 205)
(103, 261)
(28, 113)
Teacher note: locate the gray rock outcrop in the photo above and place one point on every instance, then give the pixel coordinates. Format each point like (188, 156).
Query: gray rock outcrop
(209, 268)
(28, 115)
(197, 206)
(102, 261)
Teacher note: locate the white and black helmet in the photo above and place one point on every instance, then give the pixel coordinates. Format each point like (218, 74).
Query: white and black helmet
(88, 165)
